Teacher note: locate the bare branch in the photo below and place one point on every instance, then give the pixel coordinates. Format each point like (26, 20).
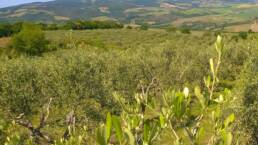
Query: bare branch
(36, 132)
(25, 123)
(70, 121)
(45, 115)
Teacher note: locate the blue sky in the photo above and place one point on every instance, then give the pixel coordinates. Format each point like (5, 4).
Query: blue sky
(7, 3)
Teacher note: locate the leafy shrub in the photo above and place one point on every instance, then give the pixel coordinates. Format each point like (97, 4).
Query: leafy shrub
(7, 30)
(243, 35)
(250, 31)
(171, 29)
(129, 27)
(31, 40)
(144, 27)
(84, 78)
(85, 25)
(185, 30)
(144, 120)
(218, 32)
(249, 111)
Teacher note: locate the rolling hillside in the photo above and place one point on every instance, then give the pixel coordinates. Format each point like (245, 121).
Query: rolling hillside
(197, 14)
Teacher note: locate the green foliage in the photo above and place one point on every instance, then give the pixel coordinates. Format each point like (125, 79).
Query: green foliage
(144, 27)
(84, 25)
(250, 31)
(171, 29)
(7, 30)
(247, 102)
(243, 35)
(129, 27)
(108, 127)
(148, 70)
(185, 30)
(31, 40)
(118, 128)
(77, 138)
(146, 120)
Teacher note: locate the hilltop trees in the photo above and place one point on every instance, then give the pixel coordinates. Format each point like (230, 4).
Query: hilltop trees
(84, 25)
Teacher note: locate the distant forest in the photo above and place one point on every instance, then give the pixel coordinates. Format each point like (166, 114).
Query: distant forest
(8, 29)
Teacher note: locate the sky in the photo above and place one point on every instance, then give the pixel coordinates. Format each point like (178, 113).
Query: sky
(7, 3)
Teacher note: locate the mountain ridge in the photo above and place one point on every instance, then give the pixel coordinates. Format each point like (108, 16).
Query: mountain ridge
(153, 12)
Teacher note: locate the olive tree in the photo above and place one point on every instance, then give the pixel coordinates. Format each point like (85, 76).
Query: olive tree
(31, 40)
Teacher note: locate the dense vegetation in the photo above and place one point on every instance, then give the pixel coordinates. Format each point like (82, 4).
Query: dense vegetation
(132, 87)
(30, 40)
(9, 29)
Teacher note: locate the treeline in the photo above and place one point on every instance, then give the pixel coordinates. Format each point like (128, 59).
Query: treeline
(84, 25)
(8, 29)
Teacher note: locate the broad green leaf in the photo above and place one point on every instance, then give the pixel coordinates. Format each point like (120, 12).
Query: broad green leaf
(212, 67)
(229, 120)
(162, 121)
(101, 137)
(219, 44)
(138, 98)
(179, 109)
(200, 134)
(118, 128)
(220, 99)
(227, 137)
(213, 117)
(146, 132)
(108, 126)
(207, 81)
(216, 114)
(198, 94)
(219, 39)
(134, 121)
(226, 92)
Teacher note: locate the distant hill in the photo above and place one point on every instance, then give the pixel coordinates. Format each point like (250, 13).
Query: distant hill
(196, 14)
